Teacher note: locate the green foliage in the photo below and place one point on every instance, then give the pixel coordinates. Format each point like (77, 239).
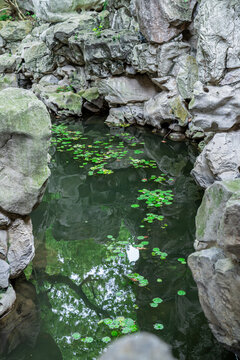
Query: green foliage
(4, 16)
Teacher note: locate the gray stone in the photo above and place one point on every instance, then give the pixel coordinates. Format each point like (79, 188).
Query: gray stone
(61, 100)
(7, 300)
(3, 243)
(4, 220)
(130, 114)
(4, 274)
(57, 11)
(142, 346)
(24, 141)
(8, 63)
(220, 159)
(187, 77)
(215, 108)
(160, 21)
(218, 281)
(15, 30)
(26, 5)
(171, 56)
(21, 246)
(217, 24)
(144, 58)
(37, 57)
(8, 80)
(176, 136)
(195, 132)
(49, 80)
(123, 90)
(165, 108)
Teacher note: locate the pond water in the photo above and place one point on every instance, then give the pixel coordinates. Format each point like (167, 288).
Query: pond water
(100, 269)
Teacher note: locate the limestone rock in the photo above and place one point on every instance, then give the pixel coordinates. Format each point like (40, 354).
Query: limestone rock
(57, 11)
(140, 346)
(15, 30)
(26, 5)
(160, 21)
(4, 274)
(215, 108)
(21, 246)
(130, 114)
(8, 80)
(123, 90)
(144, 58)
(37, 57)
(4, 220)
(60, 100)
(217, 24)
(218, 280)
(220, 159)
(8, 63)
(24, 141)
(187, 77)
(3, 243)
(7, 299)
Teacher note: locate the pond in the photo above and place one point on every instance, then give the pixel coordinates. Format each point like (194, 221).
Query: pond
(112, 236)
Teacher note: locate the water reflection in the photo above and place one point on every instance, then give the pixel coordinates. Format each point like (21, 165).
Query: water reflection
(77, 281)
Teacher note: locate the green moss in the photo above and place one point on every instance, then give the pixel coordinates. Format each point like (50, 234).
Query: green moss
(180, 111)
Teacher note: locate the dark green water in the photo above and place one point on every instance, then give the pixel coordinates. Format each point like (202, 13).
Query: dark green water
(75, 280)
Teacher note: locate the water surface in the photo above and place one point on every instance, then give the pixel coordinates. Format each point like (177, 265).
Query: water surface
(79, 276)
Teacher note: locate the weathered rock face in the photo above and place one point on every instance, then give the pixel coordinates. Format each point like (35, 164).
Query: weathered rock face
(138, 347)
(160, 21)
(24, 139)
(220, 159)
(214, 267)
(56, 11)
(217, 24)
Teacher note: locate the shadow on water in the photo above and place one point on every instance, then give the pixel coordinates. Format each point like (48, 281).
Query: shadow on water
(74, 281)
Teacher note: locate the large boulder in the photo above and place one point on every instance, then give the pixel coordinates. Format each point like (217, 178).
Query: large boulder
(215, 108)
(24, 141)
(160, 21)
(218, 281)
(15, 30)
(220, 159)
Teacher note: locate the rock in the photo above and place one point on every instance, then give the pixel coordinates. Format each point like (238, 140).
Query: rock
(24, 141)
(217, 24)
(3, 243)
(144, 58)
(130, 114)
(187, 77)
(140, 346)
(4, 220)
(8, 80)
(61, 100)
(37, 57)
(123, 90)
(215, 108)
(217, 218)
(176, 136)
(195, 132)
(26, 5)
(165, 108)
(15, 30)
(8, 63)
(110, 48)
(49, 80)
(21, 246)
(57, 11)
(4, 275)
(171, 56)
(218, 282)
(220, 159)
(122, 19)
(7, 300)
(160, 21)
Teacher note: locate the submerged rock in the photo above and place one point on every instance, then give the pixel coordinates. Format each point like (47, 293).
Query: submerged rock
(24, 141)
(141, 346)
(219, 160)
